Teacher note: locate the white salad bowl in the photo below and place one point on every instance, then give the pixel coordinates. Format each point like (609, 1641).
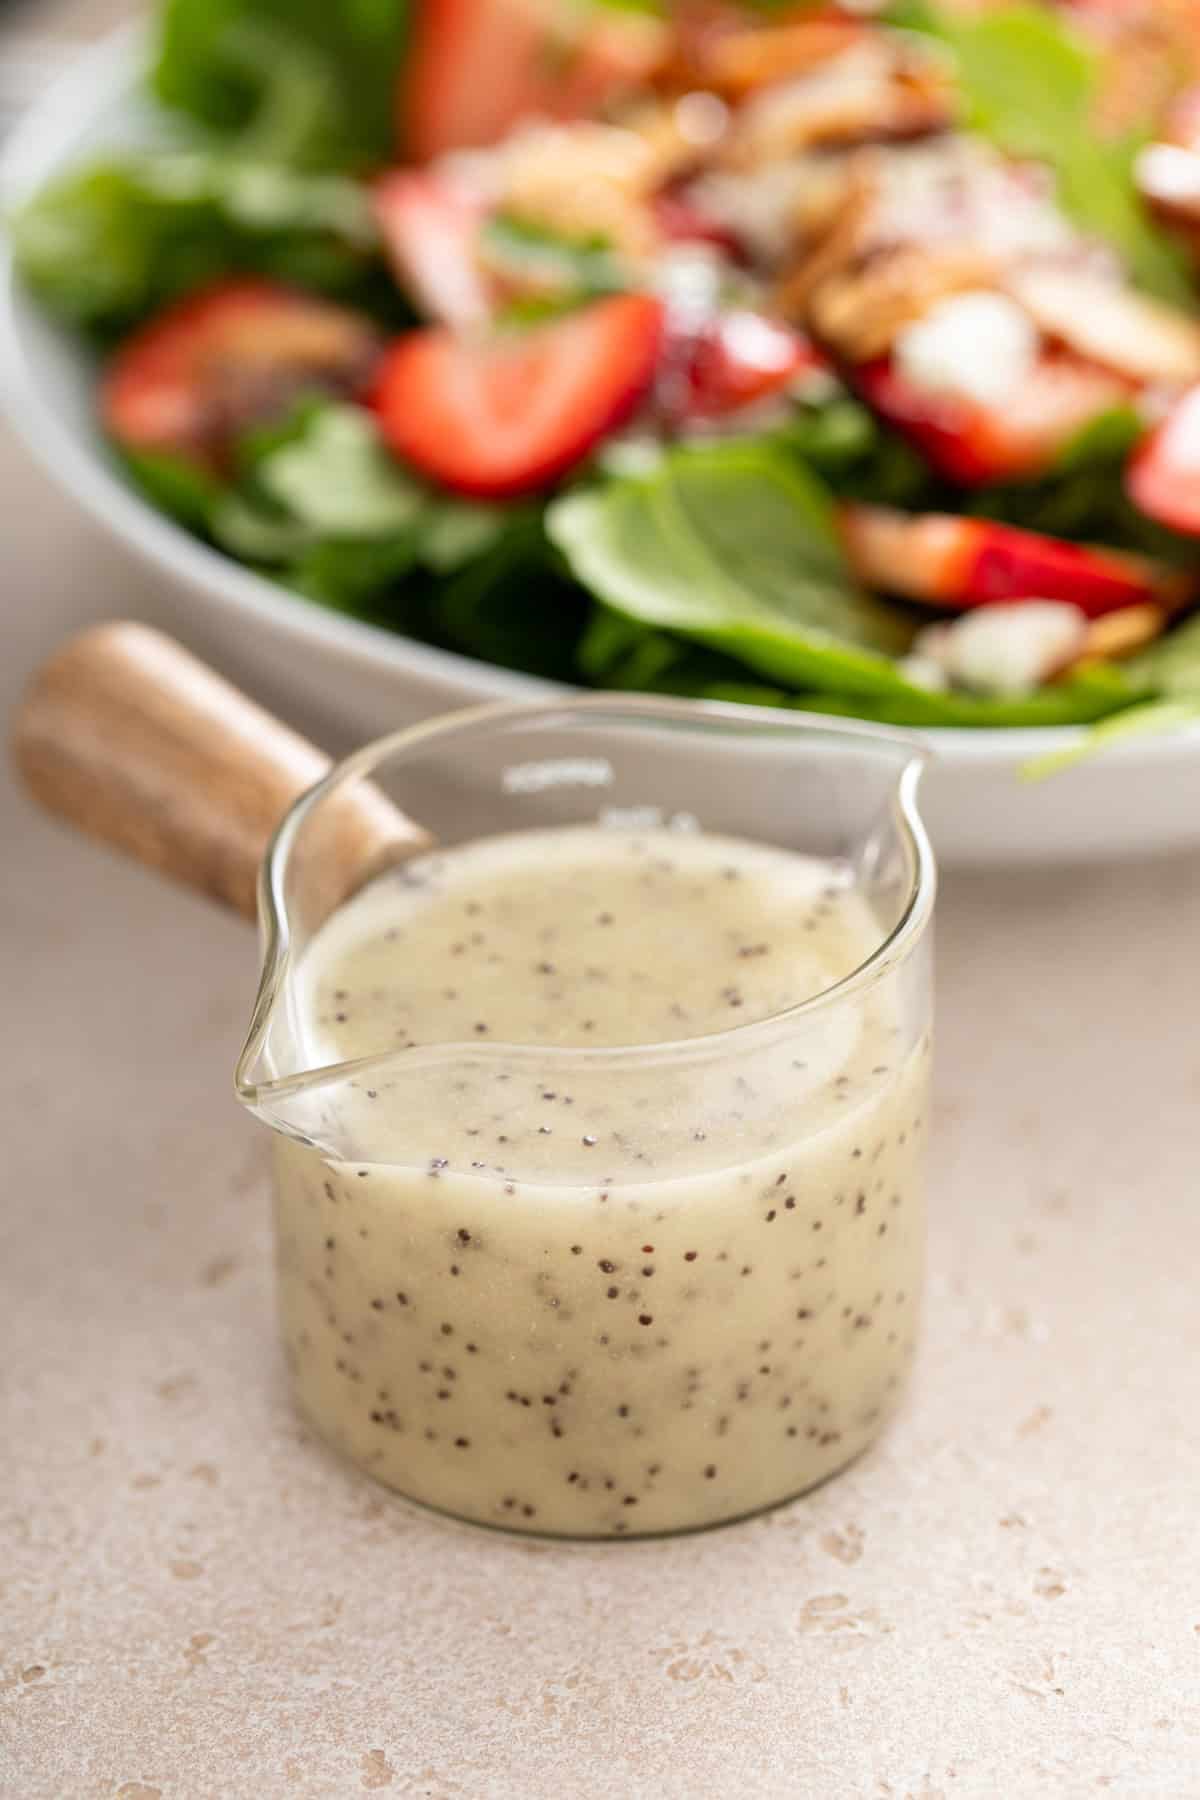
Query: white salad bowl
(1140, 796)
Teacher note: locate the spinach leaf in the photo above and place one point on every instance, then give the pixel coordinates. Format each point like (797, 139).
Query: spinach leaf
(338, 479)
(1092, 694)
(104, 247)
(734, 545)
(1169, 675)
(303, 80)
(541, 262)
(1030, 85)
(361, 576)
(455, 532)
(1172, 665)
(326, 467)
(511, 605)
(176, 486)
(255, 533)
(617, 653)
(1083, 496)
(318, 501)
(856, 455)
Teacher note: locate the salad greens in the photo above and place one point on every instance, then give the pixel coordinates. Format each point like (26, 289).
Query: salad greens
(734, 545)
(709, 560)
(337, 477)
(1081, 497)
(618, 653)
(548, 262)
(1031, 87)
(310, 81)
(106, 247)
(319, 504)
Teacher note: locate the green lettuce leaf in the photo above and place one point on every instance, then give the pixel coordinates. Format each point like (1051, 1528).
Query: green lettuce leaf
(1172, 665)
(618, 653)
(318, 501)
(338, 479)
(1169, 674)
(734, 546)
(302, 80)
(511, 605)
(1090, 695)
(104, 247)
(241, 524)
(1030, 86)
(176, 486)
(455, 532)
(366, 577)
(1083, 497)
(542, 262)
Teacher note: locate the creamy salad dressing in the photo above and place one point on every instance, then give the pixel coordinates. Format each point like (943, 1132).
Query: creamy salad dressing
(590, 1294)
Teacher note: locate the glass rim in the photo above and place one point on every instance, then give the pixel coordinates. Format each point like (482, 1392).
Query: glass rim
(892, 950)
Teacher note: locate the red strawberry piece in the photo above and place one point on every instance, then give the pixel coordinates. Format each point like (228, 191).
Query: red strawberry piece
(956, 562)
(736, 359)
(234, 355)
(972, 444)
(510, 413)
(431, 231)
(476, 67)
(1163, 478)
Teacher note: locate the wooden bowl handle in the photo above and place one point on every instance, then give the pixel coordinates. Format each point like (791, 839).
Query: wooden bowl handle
(129, 738)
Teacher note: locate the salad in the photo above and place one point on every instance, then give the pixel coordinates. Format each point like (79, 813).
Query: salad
(819, 357)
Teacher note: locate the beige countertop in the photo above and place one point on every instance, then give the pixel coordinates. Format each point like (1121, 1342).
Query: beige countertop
(1002, 1599)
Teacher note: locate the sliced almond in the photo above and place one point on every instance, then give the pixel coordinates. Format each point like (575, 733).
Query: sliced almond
(582, 178)
(865, 94)
(1109, 323)
(859, 311)
(834, 248)
(740, 61)
(918, 555)
(1118, 634)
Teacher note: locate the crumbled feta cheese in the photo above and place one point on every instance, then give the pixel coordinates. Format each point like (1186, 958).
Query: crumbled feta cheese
(977, 346)
(1005, 649)
(688, 278)
(925, 672)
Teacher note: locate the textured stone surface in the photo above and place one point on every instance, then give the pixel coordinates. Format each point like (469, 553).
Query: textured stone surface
(1002, 1600)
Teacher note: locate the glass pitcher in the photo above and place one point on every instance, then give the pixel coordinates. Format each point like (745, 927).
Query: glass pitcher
(609, 1288)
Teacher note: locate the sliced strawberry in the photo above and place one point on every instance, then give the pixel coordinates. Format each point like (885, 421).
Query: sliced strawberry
(972, 444)
(1163, 479)
(510, 414)
(957, 562)
(431, 230)
(736, 359)
(231, 356)
(476, 67)
(1182, 124)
